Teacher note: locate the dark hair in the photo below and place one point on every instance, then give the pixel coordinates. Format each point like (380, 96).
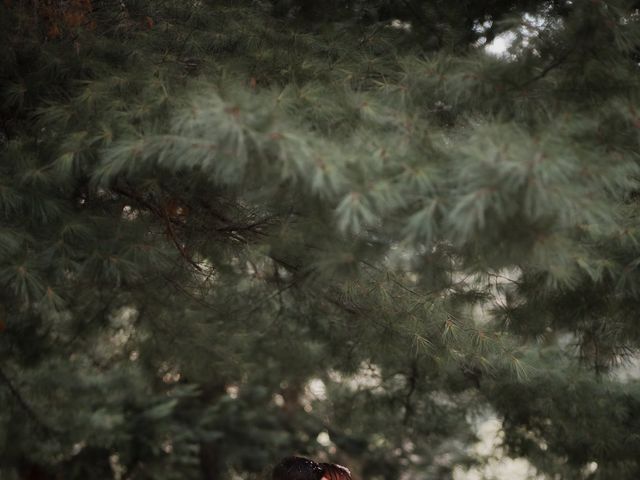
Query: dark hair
(333, 471)
(297, 468)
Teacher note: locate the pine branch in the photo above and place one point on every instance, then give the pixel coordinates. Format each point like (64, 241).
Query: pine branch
(25, 406)
(253, 227)
(162, 215)
(412, 378)
(181, 248)
(550, 67)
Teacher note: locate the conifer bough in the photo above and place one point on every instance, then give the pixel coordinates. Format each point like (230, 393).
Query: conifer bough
(234, 231)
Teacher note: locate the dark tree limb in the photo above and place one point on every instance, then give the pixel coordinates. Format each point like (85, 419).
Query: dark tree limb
(25, 406)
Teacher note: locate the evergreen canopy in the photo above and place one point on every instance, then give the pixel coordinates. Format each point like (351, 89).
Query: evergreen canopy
(232, 231)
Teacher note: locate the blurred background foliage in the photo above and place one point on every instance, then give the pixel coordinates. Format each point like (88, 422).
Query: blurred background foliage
(233, 231)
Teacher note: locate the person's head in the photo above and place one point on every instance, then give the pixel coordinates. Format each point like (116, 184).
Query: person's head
(297, 468)
(333, 471)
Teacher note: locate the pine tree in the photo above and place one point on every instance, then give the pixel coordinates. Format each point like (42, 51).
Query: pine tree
(232, 231)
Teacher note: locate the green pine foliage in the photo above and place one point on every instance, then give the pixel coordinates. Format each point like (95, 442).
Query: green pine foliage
(232, 231)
